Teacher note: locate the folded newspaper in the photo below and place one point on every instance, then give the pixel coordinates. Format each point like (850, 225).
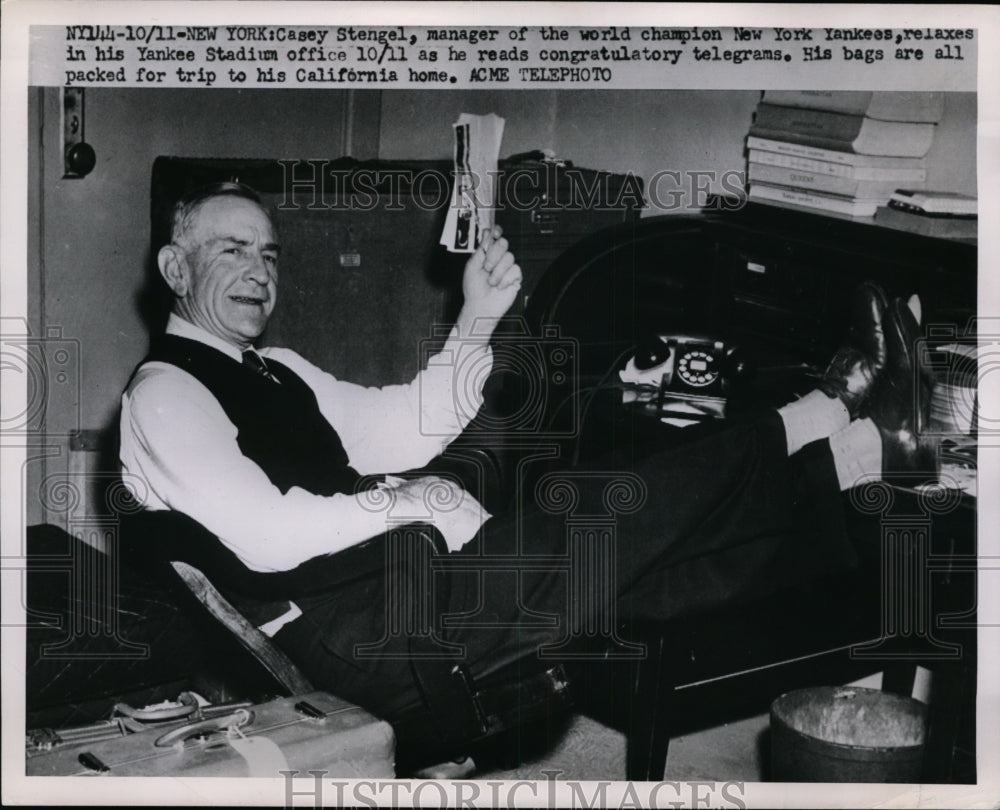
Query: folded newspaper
(477, 149)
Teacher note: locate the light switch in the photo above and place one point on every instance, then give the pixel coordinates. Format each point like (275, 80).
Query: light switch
(79, 157)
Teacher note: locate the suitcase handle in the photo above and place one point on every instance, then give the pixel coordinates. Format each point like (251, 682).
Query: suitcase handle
(238, 718)
(187, 705)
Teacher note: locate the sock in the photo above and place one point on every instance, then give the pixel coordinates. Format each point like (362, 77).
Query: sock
(815, 416)
(857, 453)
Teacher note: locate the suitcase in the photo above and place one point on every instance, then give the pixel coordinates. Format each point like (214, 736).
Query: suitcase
(125, 720)
(311, 732)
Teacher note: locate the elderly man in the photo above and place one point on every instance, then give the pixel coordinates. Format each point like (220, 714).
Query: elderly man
(261, 466)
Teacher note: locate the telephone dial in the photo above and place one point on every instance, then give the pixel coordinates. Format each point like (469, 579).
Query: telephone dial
(694, 369)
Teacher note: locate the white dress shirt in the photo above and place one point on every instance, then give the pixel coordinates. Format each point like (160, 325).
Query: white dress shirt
(179, 449)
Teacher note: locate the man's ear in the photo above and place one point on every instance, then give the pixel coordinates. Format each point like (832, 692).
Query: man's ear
(174, 269)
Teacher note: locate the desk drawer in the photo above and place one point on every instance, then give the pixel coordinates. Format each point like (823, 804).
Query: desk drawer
(777, 296)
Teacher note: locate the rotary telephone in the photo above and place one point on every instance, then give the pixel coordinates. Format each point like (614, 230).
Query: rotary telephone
(697, 370)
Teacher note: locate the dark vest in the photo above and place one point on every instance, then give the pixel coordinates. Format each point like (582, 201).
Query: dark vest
(281, 429)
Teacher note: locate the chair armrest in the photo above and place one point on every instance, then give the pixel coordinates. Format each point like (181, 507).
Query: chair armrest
(252, 639)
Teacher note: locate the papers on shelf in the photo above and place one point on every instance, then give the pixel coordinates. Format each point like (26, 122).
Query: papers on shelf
(954, 399)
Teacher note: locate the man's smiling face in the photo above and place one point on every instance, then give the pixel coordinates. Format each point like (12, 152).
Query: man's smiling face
(228, 258)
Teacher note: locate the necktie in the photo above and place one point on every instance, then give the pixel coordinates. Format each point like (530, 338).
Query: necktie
(254, 361)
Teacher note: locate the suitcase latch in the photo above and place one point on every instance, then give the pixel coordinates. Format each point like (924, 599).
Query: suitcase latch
(92, 763)
(306, 708)
(42, 739)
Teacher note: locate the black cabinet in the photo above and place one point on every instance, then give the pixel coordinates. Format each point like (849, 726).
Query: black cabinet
(786, 277)
(545, 208)
(777, 281)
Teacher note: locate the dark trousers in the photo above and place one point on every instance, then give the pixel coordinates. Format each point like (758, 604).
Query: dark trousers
(713, 522)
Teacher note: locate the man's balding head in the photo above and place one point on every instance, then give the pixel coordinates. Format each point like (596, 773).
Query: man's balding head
(221, 263)
(187, 206)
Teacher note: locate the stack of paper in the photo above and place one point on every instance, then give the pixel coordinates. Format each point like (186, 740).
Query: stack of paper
(477, 149)
(954, 400)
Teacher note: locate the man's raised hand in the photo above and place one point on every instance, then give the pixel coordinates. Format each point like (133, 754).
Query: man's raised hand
(491, 281)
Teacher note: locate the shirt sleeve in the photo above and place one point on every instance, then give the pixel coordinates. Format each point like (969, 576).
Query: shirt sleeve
(401, 427)
(180, 448)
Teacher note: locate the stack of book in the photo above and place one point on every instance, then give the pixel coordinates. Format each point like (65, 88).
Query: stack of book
(840, 151)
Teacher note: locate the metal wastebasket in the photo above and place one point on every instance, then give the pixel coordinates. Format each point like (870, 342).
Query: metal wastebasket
(846, 734)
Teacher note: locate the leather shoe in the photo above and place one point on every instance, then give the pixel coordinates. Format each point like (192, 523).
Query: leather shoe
(900, 401)
(855, 367)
